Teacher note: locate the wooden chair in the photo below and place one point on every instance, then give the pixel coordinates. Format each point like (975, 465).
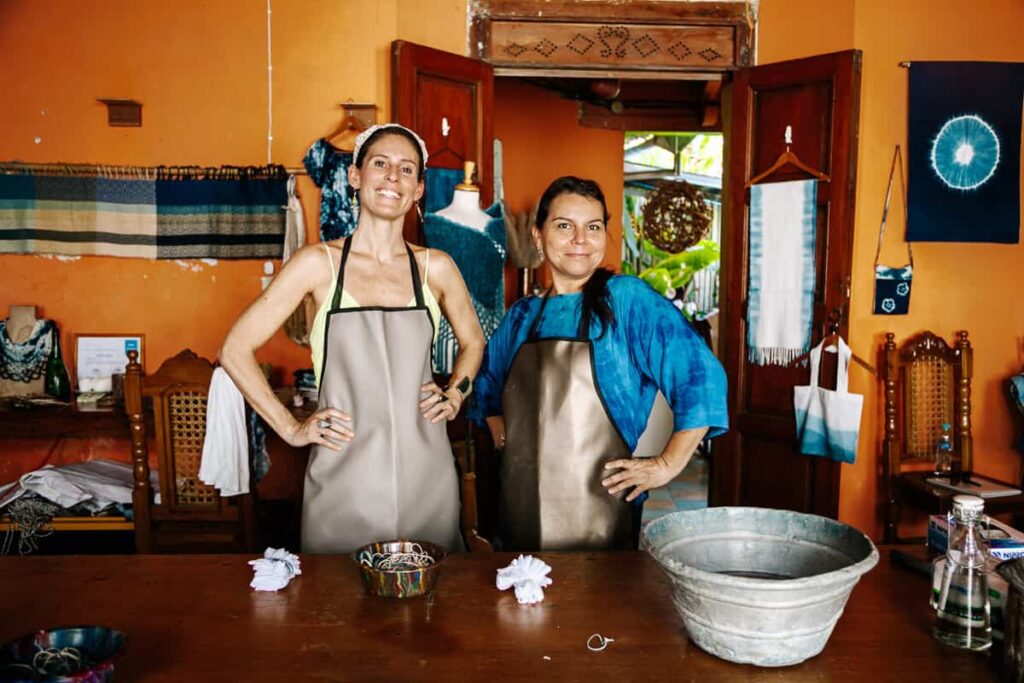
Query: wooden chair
(191, 516)
(927, 383)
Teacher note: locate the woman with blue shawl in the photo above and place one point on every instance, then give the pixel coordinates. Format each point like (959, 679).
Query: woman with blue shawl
(569, 379)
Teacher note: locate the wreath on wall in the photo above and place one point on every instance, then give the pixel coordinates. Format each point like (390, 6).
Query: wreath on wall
(676, 216)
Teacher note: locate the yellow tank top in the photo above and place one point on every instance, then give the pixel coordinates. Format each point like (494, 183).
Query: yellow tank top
(316, 332)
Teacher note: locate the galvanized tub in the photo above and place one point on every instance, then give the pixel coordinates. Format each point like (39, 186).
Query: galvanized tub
(759, 586)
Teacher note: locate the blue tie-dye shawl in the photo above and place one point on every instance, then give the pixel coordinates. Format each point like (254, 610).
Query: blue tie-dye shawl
(651, 347)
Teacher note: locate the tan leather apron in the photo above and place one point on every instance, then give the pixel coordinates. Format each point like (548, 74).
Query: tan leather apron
(558, 436)
(396, 478)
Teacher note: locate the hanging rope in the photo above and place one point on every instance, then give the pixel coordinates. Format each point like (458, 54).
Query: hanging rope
(270, 92)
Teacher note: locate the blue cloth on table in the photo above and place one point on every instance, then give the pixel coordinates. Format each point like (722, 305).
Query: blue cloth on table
(651, 346)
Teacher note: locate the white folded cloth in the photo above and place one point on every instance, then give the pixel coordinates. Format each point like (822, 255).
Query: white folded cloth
(529, 576)
(274, 570)
(96, 483)
(225, 463)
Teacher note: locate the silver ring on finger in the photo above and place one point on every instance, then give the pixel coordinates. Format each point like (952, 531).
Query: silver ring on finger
(441, 398)
(323, 424)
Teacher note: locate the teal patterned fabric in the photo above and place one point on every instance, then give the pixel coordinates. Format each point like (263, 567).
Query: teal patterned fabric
(328, 168)
(480, 257)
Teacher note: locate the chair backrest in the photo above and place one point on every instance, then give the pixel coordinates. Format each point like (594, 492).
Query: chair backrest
(927, 383)
(178, 391)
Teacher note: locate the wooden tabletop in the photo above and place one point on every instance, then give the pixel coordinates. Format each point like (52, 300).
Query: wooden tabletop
(194, 618)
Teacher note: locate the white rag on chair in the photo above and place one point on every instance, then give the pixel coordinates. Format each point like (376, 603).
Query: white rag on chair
(225, 464)
(780, 298)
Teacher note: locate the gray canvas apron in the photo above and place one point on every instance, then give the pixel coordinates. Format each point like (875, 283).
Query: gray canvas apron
(396, 478)
(558, 436)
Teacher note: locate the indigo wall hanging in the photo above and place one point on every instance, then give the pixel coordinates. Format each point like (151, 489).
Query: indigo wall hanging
(964, 151)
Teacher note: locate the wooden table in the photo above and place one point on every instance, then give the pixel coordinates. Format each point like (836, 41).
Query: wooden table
(194, 618)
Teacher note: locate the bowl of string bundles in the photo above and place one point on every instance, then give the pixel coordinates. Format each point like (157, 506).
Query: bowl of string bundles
(758, 586)
(78, 654)
(400, 568)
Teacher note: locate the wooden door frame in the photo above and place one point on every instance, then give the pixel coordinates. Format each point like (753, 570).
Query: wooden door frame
(726, 478)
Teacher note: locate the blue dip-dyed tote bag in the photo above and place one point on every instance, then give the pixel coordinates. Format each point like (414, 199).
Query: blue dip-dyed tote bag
(828, 422)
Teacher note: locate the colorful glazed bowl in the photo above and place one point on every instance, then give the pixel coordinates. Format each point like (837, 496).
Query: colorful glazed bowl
(399, 579)
(80, 654)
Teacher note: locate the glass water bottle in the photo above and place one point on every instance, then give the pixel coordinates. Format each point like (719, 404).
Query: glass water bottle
(57, 383)
(944, 452)
(962, 617)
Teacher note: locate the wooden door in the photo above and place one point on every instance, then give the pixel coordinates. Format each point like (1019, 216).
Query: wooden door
(435, 92)
(757, 463)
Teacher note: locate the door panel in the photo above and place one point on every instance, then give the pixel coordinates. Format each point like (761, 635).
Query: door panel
(757, 462)
(430, 88)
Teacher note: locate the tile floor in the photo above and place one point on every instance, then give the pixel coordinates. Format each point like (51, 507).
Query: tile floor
(688, 491)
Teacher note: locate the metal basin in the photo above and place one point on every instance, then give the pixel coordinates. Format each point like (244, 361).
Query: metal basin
(759, 586)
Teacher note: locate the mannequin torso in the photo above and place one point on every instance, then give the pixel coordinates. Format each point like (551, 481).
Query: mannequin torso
(21, 321)
(465, 210)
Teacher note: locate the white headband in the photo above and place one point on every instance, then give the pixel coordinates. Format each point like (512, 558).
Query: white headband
(365, 135)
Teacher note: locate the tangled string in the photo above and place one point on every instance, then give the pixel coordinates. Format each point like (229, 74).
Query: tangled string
(414, 558)
(31, 520)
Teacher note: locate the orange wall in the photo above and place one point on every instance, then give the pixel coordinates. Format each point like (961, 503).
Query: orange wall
(541, 140)
(200, 70)
(975, 287)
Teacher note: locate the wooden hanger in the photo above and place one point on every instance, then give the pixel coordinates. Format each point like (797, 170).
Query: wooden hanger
(832, 339)
(344, 136)
(435, 156)
(785, 158)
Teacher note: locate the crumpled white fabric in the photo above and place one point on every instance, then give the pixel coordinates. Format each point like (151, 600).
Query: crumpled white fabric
(274, 570)
(529, 576)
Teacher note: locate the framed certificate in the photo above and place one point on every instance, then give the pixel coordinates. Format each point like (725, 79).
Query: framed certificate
(99, 356)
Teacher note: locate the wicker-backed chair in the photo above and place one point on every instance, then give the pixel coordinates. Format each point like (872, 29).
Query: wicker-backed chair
(927, 383)
(191, 515)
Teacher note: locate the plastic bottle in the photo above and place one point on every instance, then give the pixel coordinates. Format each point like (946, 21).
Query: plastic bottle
(960, 591)
(944, 452)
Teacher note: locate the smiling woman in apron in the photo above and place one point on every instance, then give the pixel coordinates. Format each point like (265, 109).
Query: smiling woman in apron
(568, 382)
(381, 466)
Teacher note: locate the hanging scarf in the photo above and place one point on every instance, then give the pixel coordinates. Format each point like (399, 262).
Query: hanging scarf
(780, 301)
(26, 361)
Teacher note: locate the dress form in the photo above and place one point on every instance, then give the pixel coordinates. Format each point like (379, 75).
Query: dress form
(465, 206)
(21, 321)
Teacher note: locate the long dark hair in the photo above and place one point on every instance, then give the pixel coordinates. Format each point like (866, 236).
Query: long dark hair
(391, 130)
(595, 291)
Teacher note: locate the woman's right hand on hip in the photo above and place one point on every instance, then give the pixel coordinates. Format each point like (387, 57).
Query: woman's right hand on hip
(328, 427)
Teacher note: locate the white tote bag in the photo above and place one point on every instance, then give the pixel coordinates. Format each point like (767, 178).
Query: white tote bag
(827, 422)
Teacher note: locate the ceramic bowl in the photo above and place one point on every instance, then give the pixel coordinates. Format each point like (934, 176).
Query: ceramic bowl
(399, 583)
(98, 647)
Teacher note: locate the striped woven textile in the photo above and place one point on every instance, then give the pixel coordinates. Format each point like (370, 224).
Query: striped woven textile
(164, 212)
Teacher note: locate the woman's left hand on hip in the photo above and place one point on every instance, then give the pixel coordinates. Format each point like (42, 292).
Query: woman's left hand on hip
(640, 474)
(439, 405)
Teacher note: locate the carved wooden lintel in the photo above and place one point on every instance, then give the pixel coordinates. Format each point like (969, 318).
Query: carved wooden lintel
(613, 38)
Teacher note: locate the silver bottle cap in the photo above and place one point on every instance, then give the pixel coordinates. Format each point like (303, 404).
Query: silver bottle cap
(968, 503)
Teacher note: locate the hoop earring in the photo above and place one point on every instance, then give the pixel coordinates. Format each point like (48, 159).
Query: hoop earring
(419, 211)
